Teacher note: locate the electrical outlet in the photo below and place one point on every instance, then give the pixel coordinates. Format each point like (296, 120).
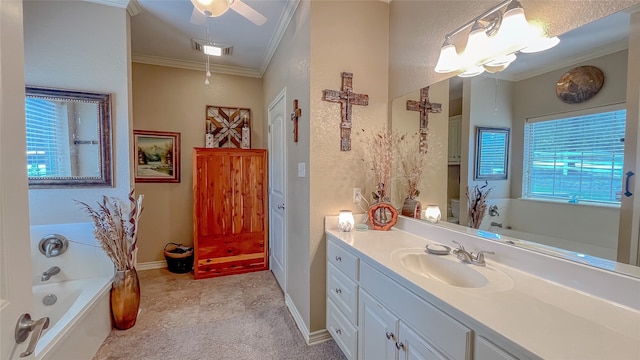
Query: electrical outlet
(357, 194)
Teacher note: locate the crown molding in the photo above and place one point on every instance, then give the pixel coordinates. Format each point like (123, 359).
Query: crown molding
(134, 8)
(194, 65)
(283, 23)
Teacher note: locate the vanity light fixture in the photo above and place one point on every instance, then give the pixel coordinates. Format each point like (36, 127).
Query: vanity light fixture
(212, 8)
(493, 40)
(345, 220)
(432, 213)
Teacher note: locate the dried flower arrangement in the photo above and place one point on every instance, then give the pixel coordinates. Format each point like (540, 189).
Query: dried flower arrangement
(380, 147)
(477, 202)
(117, 236)
(411, 163)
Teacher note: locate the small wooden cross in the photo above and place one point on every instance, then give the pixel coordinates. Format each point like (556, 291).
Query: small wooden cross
(346, 97)
(424, 107)
(297, 112)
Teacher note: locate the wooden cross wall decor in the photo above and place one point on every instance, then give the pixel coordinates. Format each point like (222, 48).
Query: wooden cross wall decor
(346, 97)
(297, 112)
(424, 107)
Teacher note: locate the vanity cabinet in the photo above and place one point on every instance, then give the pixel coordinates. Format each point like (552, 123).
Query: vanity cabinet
(384, 336)
(454, 140)
(342, 298)
(229, 211)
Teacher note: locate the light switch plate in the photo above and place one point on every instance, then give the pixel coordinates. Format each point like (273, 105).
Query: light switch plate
(301, 170)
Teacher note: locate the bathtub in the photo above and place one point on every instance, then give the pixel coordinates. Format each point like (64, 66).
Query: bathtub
(80, 319)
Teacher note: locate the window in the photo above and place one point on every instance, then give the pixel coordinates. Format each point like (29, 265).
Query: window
(575, 158)
(46, 138)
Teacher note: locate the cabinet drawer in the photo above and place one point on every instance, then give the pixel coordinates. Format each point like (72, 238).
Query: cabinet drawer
(343, 260)
(343, 291)
(448, 335)
(345, 334)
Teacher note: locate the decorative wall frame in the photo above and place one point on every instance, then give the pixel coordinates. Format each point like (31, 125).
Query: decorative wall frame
(157, 156)
(224, 127)
(579, 84)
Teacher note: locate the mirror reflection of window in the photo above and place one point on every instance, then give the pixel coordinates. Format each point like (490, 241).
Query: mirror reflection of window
(575, 158)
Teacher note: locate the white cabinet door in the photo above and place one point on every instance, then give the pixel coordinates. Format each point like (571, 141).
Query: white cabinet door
(454, 140)
(413, 347)
(378, 330)
(486, 350)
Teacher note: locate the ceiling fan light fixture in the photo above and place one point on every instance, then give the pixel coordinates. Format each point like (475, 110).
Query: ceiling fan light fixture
(212, 8)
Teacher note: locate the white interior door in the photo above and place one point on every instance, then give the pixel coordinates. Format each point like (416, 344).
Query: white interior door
(15, 256)
(277, 185)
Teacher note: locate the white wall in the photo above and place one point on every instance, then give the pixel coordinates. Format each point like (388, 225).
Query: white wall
(79, 45)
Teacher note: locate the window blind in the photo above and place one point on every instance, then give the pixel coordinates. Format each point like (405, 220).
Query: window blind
(47, 150)
(578, 158)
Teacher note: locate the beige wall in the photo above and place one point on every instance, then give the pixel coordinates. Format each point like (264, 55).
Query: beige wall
(347, 36)
(289, 68)
(418, 28)
(61, 53)
(171, 99)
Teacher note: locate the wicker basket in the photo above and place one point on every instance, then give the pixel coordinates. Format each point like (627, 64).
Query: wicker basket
(179, 258)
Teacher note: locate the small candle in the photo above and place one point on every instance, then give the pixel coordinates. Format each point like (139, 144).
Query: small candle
(345, 220)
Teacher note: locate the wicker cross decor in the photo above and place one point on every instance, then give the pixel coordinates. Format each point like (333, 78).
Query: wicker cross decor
(297, 112)
(346, 97)
(424, 107)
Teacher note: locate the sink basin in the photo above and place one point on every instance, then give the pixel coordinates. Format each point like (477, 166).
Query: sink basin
(446, 269)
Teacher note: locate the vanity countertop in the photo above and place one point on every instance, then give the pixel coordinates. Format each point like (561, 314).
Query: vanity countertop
(545, 318)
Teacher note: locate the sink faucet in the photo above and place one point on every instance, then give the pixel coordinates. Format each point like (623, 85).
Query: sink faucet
(468, 257)
(49, 273)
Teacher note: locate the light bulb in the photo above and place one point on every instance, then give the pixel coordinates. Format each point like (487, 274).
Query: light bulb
(449, 60)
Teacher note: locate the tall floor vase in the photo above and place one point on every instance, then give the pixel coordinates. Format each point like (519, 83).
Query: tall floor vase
(125, 298)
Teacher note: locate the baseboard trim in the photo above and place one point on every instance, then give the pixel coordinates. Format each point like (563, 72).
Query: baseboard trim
(151, 265)
(311, 338)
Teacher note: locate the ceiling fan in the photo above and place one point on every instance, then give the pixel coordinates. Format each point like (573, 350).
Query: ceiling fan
(203, 9)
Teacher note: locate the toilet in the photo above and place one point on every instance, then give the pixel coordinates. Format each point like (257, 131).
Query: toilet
(455, 211)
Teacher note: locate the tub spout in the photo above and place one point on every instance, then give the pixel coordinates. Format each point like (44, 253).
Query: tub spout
(49, 273)
(493, 223)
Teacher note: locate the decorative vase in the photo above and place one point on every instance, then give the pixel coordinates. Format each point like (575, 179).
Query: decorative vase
(412, 208)
(125, 298)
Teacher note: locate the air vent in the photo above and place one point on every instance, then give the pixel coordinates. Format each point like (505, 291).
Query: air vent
(199, 46)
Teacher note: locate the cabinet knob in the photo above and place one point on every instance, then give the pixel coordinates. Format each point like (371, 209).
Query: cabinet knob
(389, 335)
(338, 258)
(338, 291)
(338, 331)
(281, 206)
(399, 346)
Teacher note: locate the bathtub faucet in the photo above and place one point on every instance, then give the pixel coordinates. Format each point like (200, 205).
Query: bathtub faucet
(493, 223)
(49, 273)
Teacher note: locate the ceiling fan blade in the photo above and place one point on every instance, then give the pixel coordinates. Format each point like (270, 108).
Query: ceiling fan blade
(198, 18)
(248, 12)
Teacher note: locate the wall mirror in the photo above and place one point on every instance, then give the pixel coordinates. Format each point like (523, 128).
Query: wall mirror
(492, 153)
(68, 138)
(575, 231)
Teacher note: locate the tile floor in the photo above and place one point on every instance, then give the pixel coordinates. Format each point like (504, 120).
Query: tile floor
(230, 317)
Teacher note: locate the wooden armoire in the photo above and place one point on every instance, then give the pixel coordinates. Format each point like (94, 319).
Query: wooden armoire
(229, 211)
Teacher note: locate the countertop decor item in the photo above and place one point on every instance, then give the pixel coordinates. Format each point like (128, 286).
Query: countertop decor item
(411, 165)
(432, 213)
(580, 84)
(117, 234)
(345, 220)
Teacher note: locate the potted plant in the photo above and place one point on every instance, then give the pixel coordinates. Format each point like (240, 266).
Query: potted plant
(118, 237)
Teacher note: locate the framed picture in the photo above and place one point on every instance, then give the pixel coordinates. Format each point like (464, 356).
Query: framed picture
(157, 156)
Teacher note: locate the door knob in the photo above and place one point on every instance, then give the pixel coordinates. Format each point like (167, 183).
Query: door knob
(25, 326)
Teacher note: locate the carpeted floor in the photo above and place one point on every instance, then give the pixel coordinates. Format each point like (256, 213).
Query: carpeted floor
(232, 317)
